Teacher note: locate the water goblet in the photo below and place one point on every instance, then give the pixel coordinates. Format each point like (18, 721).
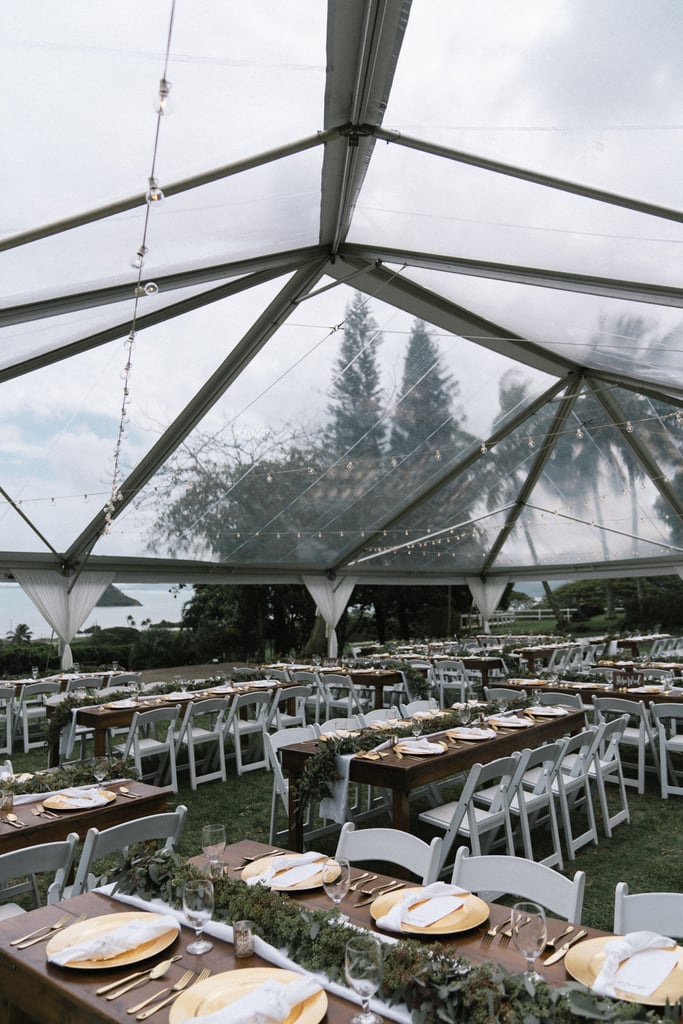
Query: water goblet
(100, 769)
(416, 725)
(465, 714)
(34, 672)
(364, 970)
(198, 909)
(336, 876)
(213, 844)
(529, 934)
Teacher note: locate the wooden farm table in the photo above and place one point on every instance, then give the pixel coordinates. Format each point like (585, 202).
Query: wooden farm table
(484, 665)
(38, 830)
(377, 679)
(587, 691)
(30, 989)
(405, 774)
(33, 990)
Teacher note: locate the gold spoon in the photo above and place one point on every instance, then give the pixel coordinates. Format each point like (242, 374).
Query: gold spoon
(126, 792)
(13, 820)
(156, 972)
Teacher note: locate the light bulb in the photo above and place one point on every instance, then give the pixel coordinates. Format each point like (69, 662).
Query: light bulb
(154, 194)
(139, 258)
(163, 104)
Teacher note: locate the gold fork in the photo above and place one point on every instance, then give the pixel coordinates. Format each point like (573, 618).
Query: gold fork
(41, 811)
(174, 993)
(488, 936)
(53, 928)
(45, 928)
(182, 982)
(361, 880)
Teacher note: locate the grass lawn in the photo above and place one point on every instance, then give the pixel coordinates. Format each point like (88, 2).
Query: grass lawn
(644, 853)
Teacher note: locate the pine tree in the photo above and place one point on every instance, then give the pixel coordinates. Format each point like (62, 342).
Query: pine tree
(357, 426)
(423, 418)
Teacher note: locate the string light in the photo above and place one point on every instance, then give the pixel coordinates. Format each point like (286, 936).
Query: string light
(153, 196)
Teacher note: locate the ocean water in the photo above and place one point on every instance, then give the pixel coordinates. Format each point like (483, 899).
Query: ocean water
(157, 602)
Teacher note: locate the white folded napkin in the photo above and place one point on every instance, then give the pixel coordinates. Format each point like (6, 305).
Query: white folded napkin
(80, 798)
(548, 709)
(423, 908)
(473, 733)
(121, 940)
(269, 1003)
(513, 721)
(285, 871)
(649, 957)
(418, 746)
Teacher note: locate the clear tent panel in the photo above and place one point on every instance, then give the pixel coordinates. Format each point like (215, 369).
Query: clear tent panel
(578, 90)
(84, 77)
(421, 202)
(637, 339)
(60, 422)
(272, 208)
(282, 486)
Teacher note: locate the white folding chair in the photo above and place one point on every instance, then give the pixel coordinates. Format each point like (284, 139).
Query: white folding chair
(523, 878)
(413, 706)
(203, 730)
(452, 682)
(340, 725)
(6, 719)
(248, 719)
(668, 722)
(31, 861)
(505, 693)
(288, 707)
(166, 826)
(273, 743)
(391, 846)
(637, 735)
(533, 799)
(478, 822)
(342, 695)
(380, 715)
(606, 768)
(151, 734)
(317, 698)
(573, 787)
(660, 912)
(89, 683)
(30, 710)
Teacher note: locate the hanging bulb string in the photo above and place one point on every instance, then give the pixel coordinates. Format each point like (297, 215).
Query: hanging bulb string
(153, 195)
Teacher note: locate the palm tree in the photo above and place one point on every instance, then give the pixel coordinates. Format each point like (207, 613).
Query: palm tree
(21, 634)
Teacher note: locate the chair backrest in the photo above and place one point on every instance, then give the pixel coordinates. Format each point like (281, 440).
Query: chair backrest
(212, 710)
(145, 723)
(90, 682)
(284, 698)
(118, 838)
(306, 677)
(125, 679)
(252, 706)
(503, 693)
(340, 724)
(567, 700)
(607, 708)
(31, 692)
(380, 715)
(341, 690)
(281, 674)
(35, 860)
(577, 754)
(391, 846)
(548, 757)
(528, 879)
(428, 704)
(660, 912)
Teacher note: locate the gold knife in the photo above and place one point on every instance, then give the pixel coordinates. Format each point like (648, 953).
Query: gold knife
(380, 892)
(562, 951)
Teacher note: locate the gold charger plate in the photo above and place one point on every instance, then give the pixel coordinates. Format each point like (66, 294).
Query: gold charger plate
(263, 863)
(58, 803)
(584, 962)
(96, 926)
(221, 990)
(472, 913)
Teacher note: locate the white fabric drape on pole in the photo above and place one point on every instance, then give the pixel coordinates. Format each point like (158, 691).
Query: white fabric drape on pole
(486, 596)
(65, 610)
(331, 598)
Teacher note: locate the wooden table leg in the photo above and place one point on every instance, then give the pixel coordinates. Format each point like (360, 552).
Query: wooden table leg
(400, 810)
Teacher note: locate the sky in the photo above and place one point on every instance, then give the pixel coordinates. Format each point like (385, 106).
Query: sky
(589, 92)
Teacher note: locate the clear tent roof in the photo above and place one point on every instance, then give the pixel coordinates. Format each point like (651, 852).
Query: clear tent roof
(501, 182)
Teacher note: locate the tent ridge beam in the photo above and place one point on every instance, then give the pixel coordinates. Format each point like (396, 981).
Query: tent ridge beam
(535, 177)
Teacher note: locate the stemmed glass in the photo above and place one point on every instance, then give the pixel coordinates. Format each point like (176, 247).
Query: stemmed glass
(416, 725)
(364, 970)
(100, 769)
(336, 875)
(213, 845)
(198, 908)
(529, 934)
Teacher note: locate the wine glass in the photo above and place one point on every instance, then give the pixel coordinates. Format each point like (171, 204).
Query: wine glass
(416, 725)
(364, 970)
(35, 672)
(198, 908)
(529, 934)
(100, 769)
(465, 714)
(213, 845)
(336, 875)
